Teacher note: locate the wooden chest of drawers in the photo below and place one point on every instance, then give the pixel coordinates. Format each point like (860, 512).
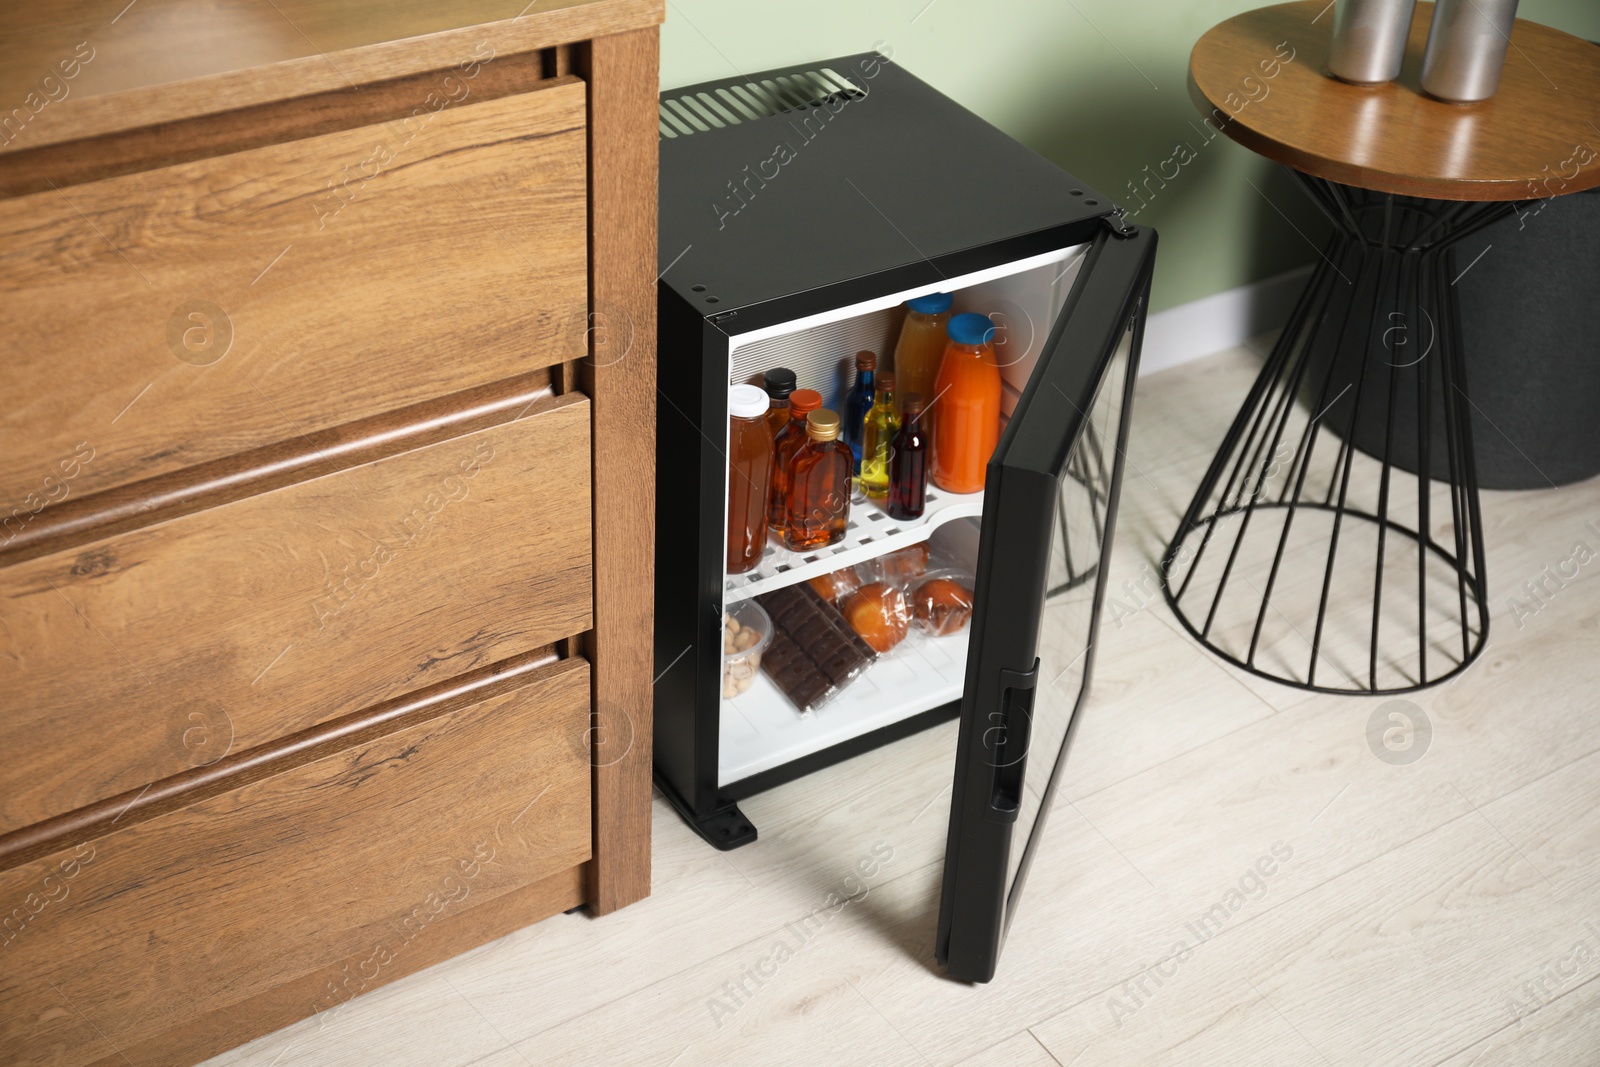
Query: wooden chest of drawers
(326, 485)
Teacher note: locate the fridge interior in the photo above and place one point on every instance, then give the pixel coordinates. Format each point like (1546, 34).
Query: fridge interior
(760, 728)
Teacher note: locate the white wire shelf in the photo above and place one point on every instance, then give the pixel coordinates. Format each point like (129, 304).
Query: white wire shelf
(871, 533)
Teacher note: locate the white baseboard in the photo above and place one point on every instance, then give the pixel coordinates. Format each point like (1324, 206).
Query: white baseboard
(1223, 320)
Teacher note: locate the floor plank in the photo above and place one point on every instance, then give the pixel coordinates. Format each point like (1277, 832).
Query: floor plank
(1021, 1050)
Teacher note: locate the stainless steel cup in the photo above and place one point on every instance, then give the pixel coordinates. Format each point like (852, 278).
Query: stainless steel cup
(1467, 48)
(1369, 39)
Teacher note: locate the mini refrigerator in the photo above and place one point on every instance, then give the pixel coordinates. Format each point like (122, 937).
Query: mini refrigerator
(799, 210)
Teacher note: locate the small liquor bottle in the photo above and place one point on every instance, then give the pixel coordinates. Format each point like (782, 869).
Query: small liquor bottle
(818, 508)
(779, 382)
(882, 423)
(802, 402)
(858, 403)
(908, 463)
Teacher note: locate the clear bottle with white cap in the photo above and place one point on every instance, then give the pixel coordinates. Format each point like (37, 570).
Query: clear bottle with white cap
(749, 476)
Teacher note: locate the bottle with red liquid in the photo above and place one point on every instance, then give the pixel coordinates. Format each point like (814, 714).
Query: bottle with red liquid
(818, 508)
(802, 402)
(908, 463)
(749, 477)
(968, 390)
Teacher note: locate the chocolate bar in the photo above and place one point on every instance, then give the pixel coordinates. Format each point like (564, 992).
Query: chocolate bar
(814, 653)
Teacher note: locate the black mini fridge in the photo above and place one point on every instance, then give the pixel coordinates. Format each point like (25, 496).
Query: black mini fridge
(800, 209)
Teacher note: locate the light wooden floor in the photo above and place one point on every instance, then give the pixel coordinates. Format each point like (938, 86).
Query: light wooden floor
(1441, 912)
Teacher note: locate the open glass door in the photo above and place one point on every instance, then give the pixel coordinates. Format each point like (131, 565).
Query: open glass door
(1049, 506)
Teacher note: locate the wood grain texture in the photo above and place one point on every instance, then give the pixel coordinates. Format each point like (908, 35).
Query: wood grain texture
(64, 164)
(452, 934)
(296, 893)
(460, 263)
(77, 520)
(169, 60)
(1532, 140)
(238, 769)
(620, 376)
(241, 624)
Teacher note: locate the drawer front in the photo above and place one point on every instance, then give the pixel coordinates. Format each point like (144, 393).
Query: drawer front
(322, 881)
(174, 316)
(153, 652)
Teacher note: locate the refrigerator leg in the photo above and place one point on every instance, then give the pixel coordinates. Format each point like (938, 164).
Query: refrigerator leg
(723, 827)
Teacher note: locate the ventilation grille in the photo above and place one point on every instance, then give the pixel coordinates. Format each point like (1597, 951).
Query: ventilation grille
(732, 105)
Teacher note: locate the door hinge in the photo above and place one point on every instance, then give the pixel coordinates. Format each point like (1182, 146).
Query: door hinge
(1118, 224)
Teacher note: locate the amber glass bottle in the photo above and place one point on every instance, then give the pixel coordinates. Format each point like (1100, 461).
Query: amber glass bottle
(779, 382)
(882, 422)
(802, 402)
(967, 425)
(749, 477)
(908, 463)
(818, 507)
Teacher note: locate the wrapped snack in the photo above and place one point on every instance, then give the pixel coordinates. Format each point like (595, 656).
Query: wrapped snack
(878, 612)
(746, 632)
(899, 567)
(941, 603)
(836, 586)
(814, 655)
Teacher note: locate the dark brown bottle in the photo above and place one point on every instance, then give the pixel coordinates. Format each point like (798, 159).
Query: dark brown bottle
(908, 463)
(818, 509)
(802, 402)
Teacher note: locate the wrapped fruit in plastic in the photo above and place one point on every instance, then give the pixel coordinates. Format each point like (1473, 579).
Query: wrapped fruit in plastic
(941, 602)
(900, 566)
(878, 612)
(836, 586)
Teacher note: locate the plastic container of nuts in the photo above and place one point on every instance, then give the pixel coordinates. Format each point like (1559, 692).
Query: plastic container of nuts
(746, 632)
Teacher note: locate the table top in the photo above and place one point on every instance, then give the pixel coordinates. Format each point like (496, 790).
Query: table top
(1538, 136)
(72, 69)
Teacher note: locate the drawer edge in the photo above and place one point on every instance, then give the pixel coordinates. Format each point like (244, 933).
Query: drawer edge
(97, 820)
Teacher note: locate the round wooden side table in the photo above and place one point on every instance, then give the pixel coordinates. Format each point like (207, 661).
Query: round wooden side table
(1327, 568)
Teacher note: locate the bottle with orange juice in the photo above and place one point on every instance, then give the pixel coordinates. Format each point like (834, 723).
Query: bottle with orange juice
(967, 426)
(921, 347)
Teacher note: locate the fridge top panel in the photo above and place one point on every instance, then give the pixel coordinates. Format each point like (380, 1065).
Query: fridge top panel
(792, 189)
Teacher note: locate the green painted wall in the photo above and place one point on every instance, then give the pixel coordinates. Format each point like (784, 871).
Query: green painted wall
(1098, 86)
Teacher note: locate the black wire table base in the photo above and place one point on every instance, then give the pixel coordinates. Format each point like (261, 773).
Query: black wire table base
(1302, 570)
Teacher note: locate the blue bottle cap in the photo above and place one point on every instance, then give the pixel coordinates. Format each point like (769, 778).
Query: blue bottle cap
(970, 329)
(932, 304)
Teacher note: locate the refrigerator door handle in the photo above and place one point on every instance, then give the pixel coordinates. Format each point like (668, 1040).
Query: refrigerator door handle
(1007, 741)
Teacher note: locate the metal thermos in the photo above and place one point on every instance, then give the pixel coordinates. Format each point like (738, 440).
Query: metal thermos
(1467, 48)
(1369, 39)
